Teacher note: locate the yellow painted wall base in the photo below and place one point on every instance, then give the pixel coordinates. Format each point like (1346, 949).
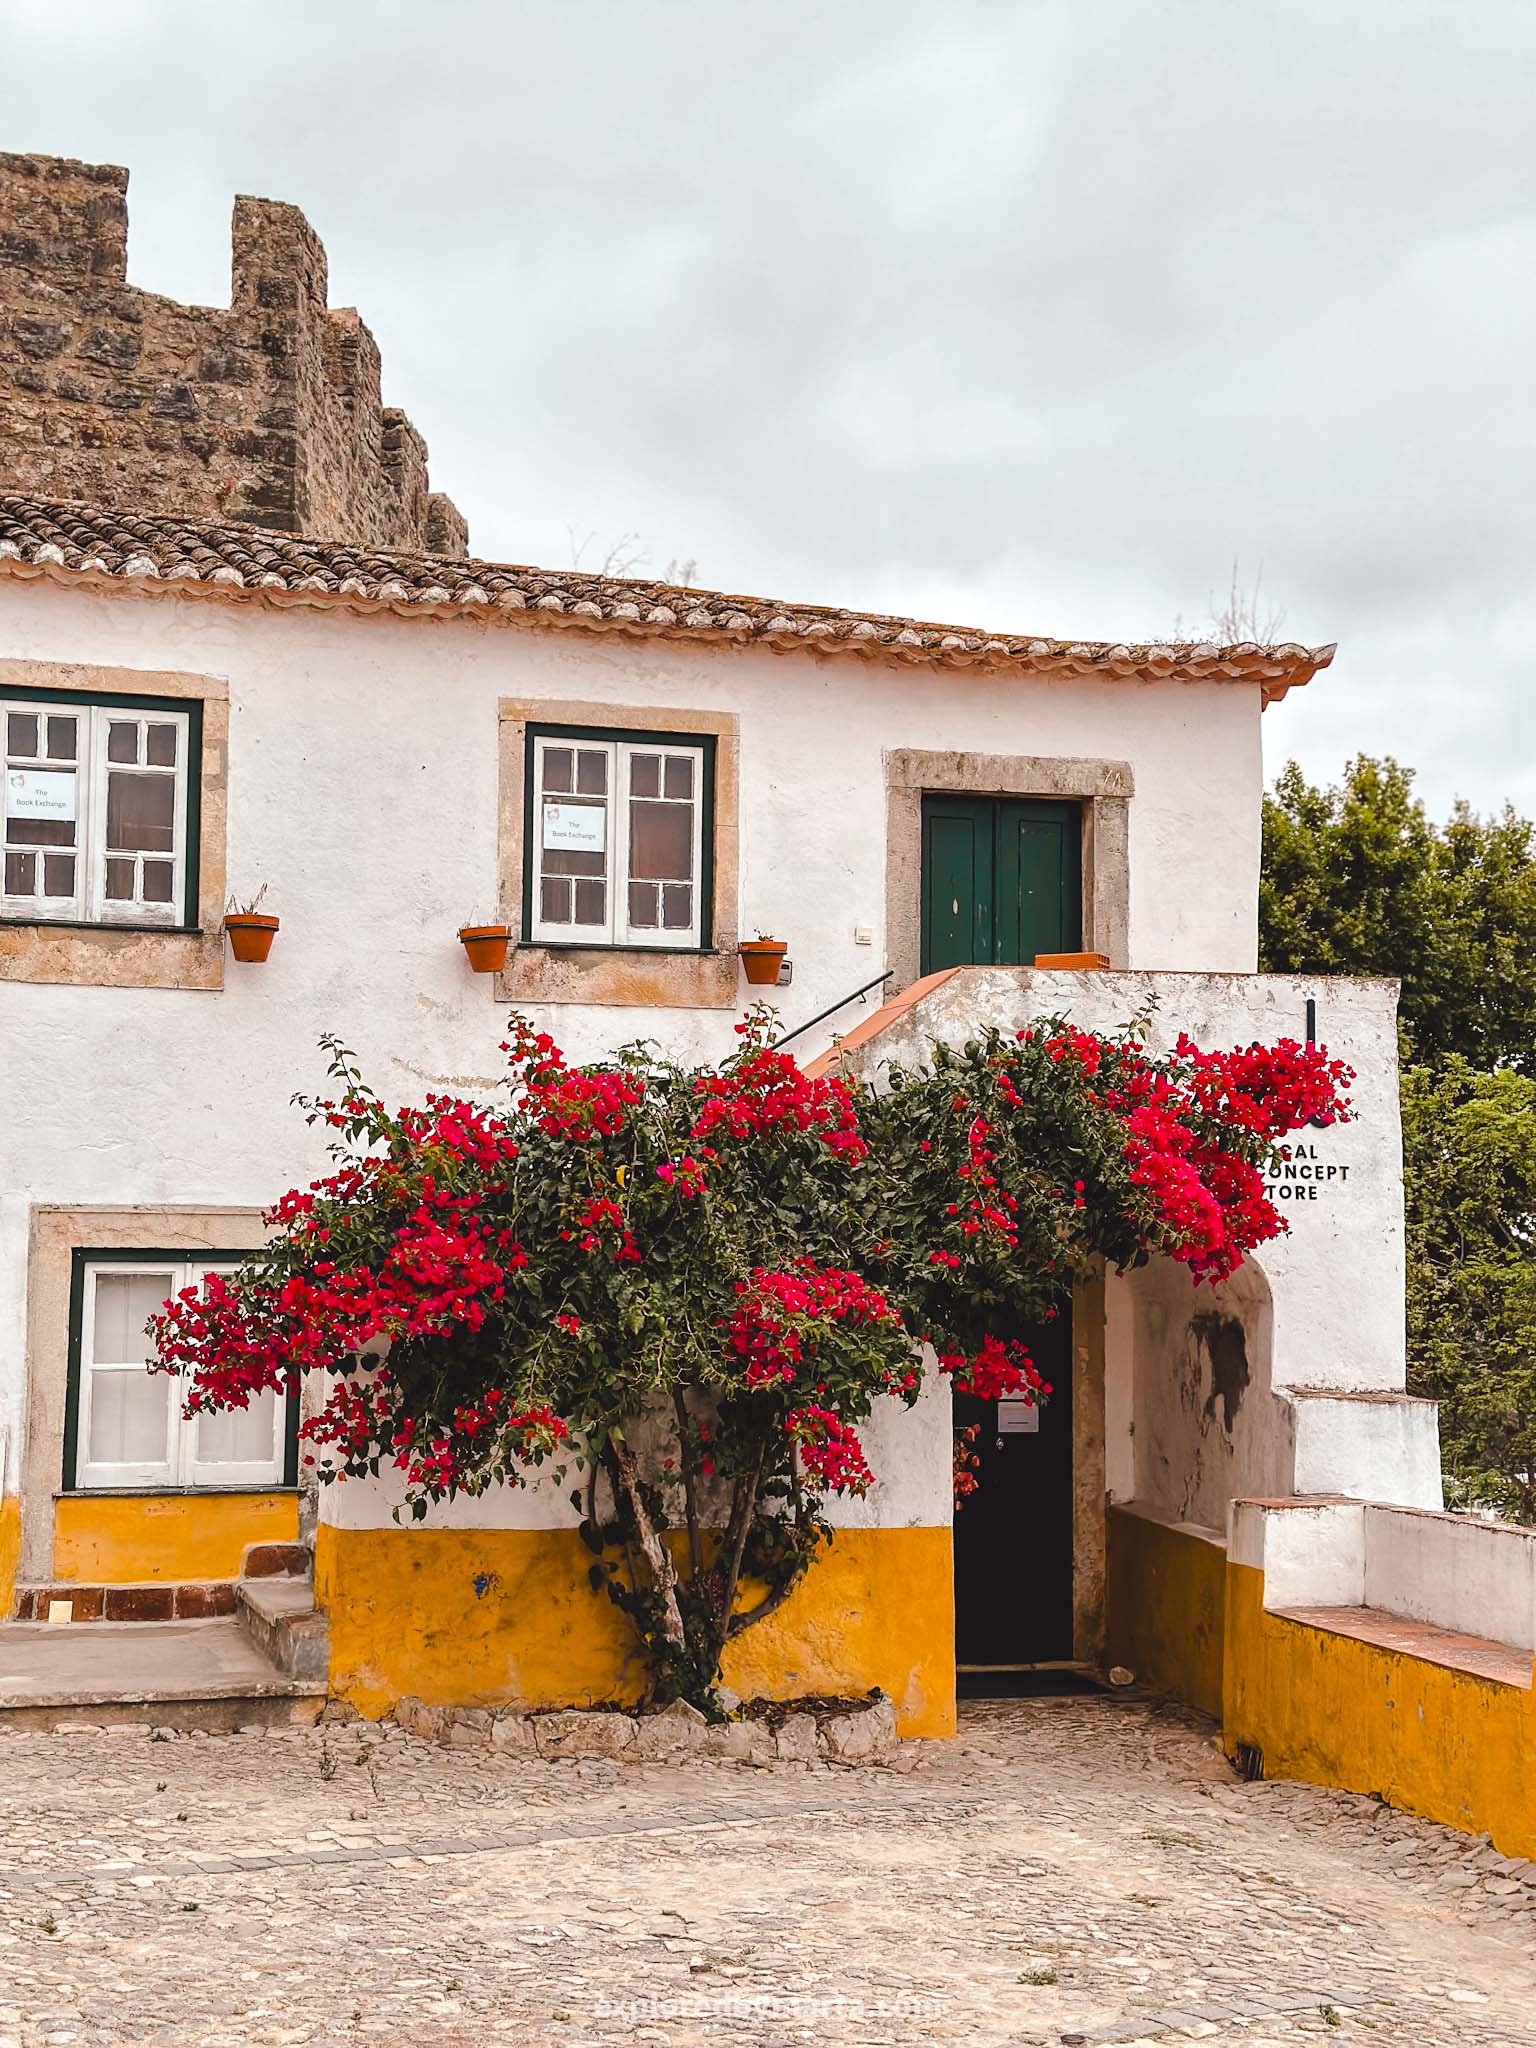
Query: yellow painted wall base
(126, 1539)
(1166, 1592)
(10, 1550)
(1332, 1711)
(474, 1617)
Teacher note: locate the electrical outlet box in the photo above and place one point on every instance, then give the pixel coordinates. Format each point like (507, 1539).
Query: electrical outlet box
(786, 972)
(863, 935)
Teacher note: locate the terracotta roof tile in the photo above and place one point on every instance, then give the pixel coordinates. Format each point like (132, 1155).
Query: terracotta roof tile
(70, 542)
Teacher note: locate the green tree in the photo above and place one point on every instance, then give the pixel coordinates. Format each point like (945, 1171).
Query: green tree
(1470, 1145)
(1358, 879)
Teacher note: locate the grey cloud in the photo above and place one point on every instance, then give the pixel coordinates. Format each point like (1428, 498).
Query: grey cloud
(1027, 314)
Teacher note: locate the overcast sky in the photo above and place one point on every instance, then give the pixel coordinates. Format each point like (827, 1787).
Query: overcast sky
(1030, 314)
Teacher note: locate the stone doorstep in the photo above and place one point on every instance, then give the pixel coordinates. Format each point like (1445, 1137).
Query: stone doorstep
(179, 1674)
(866, 1735)
(282, 1621)
(185, 1600)
(159, 1600)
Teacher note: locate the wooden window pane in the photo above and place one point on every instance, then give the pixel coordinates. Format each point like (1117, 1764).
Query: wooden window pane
(128, 1419)
(58, 874)
(555, 900)
(661, 841)
(557, 770)
(124, 1304)
(238, 1436)
(645, 775)
(120, 881)
(40, 832)
(159, 875)
(591, 902)
(160, 749)
(123, 740)
(141, 813)
(677, 906)
(20, 874)
(21, 733)
(591, 773)
(560, 862)
(679, 775)
(643, 905)
(63, 738)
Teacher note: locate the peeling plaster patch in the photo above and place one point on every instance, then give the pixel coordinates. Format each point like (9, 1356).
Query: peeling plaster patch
(485, 1081)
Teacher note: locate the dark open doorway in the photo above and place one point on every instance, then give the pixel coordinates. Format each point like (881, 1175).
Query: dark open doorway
(1013, 1535)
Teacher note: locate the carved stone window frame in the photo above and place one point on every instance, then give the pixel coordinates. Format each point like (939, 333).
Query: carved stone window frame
(58, 1232)
(101, 956)
(1103, 788)
(638, 976)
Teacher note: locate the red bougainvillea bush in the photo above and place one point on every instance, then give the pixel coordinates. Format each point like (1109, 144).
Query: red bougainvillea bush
(686, 1289)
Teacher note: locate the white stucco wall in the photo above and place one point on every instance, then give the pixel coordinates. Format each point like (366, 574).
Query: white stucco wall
(363, 790)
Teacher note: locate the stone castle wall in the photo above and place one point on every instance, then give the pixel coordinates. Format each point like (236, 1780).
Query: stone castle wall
(268, 410)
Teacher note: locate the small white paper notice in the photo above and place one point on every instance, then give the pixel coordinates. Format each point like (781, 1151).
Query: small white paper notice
(1018, 1418)
(575, 828)
(34, 793)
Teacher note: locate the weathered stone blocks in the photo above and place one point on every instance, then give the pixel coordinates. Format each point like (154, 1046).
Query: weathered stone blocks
(865, 1734)
(85, 357)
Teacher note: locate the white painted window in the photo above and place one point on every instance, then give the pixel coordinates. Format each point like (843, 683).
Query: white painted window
(618, 842)
(130, 1430)
(95, 812)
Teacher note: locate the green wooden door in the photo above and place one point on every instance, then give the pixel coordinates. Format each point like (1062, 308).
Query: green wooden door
(1002, 880)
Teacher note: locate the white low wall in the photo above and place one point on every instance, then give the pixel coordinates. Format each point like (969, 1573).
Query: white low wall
(1369, 1446)
(1453, 1571)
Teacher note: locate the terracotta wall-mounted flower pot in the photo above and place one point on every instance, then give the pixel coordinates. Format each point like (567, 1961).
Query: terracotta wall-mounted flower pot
(250, 935)
(486, 946)
(762, 959)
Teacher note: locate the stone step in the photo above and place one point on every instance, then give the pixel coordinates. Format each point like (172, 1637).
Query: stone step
(178, 1674)
(285, 1626)
(277, 1560)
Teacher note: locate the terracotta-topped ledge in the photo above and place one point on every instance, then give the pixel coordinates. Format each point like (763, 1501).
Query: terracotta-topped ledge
(1499, 1663)
(879, 1020)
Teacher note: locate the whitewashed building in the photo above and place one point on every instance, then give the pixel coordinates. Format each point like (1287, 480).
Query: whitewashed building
(635, 779)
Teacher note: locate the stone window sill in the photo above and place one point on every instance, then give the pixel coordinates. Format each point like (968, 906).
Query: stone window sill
(112, 955)
(632, 977)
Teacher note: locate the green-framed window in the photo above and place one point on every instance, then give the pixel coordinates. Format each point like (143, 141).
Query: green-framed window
(124, 1429)
(99, 810)
(618, 838)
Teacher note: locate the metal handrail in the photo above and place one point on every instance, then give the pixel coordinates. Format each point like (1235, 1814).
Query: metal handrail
(857, 996)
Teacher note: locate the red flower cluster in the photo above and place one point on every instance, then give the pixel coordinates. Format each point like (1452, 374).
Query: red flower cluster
(1268, 1089)
(602, 1214)
(518, 1436)
(1000, 1370)
(442, 1272)
(830, 1449)
(773, 1327)
(1210, 1200)
(566, 1102)
(686, 1175)
(764, 1090)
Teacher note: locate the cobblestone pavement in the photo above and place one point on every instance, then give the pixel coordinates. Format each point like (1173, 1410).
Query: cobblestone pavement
(1068, 1870)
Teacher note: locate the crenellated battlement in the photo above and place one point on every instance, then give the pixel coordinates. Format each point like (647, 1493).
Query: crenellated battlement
(268, 410)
